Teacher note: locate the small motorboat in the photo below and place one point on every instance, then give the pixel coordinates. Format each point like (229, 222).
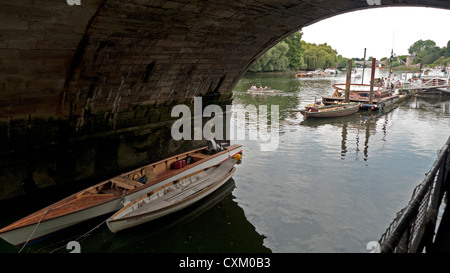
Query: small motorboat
(172, 197)
(261, 90)
(330, 111)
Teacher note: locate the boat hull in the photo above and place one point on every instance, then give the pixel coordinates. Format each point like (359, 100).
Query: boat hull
(332, 113)
(118, 224)
(444, 91)
(21, 236)
(28, 233)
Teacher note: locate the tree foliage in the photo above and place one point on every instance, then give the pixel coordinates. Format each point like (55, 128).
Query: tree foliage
(421, 45)
(320, 56)
(447, 50)
(295, 54)
(428, 53)
(273, 60)
(296, 51)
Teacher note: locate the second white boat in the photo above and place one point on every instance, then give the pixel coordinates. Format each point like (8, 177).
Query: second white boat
(172, 197)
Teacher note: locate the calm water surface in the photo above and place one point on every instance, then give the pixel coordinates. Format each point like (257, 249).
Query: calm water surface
(331, 185)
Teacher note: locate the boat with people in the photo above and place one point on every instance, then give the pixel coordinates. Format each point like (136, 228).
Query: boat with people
(173, 196)
(329, 111)
(261, 90)
(110, 195)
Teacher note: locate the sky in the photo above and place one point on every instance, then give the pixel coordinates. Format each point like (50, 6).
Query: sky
(379, 30)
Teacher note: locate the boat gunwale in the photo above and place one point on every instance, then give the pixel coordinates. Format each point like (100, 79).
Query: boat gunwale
(158, 189)
(351, 106)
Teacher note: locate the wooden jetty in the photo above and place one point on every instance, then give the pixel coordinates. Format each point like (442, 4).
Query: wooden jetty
(369, 97)
(386, 97)
(431, 86)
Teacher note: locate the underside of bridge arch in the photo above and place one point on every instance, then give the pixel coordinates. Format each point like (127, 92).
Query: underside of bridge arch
(73, 75)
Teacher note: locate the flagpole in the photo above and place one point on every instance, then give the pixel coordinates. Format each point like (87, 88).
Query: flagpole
(392, 60)
(364, 66)
(392, 54)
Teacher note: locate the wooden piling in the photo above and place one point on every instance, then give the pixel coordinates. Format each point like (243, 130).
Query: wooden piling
(372, 80)
(364, 66)
(347, 83)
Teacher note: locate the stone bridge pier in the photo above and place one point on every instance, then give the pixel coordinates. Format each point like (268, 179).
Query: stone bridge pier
(87, 86)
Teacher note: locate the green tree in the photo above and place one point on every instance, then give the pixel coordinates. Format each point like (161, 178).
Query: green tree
(341, 62)
(445, 61)
(320, 56)
(421, 45)
(428, 55)
(273, 60)
(295, 53)
(447, 50)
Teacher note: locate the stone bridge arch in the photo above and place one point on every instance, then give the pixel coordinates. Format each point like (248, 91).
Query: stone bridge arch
(71, 74)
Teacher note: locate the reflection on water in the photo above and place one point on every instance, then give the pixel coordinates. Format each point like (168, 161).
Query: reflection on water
(439, 105)
(215, 224)
(333, 185)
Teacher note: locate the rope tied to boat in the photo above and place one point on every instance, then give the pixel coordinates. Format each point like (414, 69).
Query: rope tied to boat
(79, 238)
(35, 228)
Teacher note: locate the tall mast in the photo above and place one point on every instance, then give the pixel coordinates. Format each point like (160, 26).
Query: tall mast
(364, 66)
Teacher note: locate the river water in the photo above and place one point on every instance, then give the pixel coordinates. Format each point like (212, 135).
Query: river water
(330, 186)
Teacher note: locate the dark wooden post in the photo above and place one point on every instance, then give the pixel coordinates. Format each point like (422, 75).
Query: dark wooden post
(349, 78)
(364, 66)
(372, 81)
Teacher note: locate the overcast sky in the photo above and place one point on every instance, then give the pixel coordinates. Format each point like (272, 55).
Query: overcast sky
(380, 29)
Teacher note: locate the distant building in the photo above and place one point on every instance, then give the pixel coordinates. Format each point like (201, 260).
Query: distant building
(409, 61)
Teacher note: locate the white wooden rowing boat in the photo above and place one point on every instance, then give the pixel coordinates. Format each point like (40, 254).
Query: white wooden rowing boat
(110, 195)
(172, 197)
(338, 110)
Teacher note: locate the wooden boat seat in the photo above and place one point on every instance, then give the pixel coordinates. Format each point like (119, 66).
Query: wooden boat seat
(197, 157)
(125, 183)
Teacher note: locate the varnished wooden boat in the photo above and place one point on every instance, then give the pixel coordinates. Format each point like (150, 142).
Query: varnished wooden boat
(110, 195)
(338, 110)
(172, 197)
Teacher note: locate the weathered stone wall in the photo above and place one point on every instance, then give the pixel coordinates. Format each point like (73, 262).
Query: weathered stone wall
(72, 74)
(38, 153)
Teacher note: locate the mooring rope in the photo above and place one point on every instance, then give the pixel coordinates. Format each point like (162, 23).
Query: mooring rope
(81, 236)
(40, 220)
(88, 233)
(35, 228)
